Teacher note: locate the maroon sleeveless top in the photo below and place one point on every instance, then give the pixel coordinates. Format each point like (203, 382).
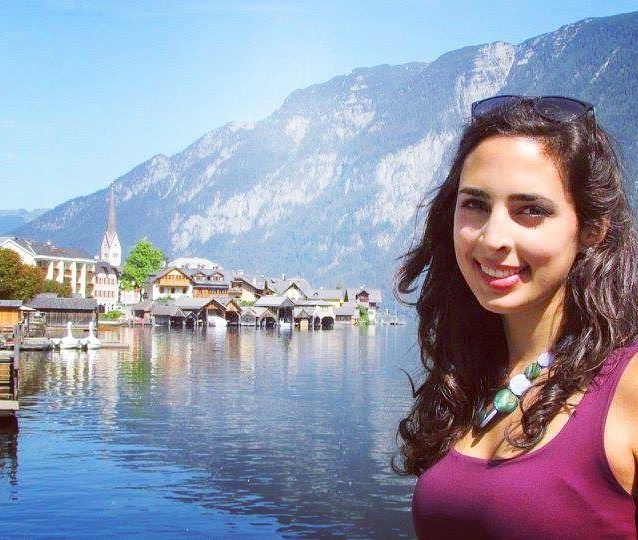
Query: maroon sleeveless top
(564, 489)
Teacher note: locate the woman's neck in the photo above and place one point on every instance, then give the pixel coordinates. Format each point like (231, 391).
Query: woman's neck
(532, 332)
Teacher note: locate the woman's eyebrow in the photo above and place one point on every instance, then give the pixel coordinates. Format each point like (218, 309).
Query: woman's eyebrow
(530, 197)
(526, 197)
(474, 192)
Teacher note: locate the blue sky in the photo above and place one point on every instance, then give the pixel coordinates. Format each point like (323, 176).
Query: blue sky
(92, 88)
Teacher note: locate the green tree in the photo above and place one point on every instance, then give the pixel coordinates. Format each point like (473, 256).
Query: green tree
(144, 260)
(18, 281)
(10, 265)
(61, 289)
(364, 318)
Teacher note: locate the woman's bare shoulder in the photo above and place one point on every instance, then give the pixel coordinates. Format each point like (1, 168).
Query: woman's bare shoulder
(625, 400)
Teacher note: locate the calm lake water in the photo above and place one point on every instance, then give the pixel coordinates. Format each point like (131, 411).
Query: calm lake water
(239, 433)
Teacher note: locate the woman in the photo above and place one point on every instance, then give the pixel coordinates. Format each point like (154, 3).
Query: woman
(527, 423)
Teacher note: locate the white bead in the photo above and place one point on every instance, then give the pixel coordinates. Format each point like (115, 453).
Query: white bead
(545, 359)
(519, 384)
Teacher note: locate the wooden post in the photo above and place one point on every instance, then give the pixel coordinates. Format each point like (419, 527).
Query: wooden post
(16, 359)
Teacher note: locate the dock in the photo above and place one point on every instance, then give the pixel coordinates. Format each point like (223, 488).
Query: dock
(9, 369)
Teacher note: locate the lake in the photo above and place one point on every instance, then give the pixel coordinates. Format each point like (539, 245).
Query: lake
(226, 433)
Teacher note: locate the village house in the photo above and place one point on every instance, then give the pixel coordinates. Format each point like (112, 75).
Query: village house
(332, 296)
(246, 292)
(370, 299)
(169, 283)
(106, 287)
(128, 297)
(280, 285)
(297, 291)
(64, 265)
(207, 282)
(347, 313)
(367, 297)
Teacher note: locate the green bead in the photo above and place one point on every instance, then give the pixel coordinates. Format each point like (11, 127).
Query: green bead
(505, 401)
(533, 370)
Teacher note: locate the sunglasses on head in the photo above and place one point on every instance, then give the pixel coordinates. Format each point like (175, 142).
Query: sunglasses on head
(554, 108)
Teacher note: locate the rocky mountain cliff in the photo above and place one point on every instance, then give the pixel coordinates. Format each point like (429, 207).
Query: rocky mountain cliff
(327, 186)
(12, 219)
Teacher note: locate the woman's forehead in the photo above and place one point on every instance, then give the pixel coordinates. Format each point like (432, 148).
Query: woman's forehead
(505, 165)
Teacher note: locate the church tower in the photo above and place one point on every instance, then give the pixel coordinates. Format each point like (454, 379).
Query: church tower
(111, 251)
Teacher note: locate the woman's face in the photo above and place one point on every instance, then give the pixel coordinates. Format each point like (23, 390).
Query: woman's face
(516, 232)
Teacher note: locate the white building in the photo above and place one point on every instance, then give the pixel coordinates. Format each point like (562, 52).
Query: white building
(106, 288)
(64, 265)
(106, 280)
(111, 250)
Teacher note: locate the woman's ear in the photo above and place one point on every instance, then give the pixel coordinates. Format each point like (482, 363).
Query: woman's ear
(594, 234)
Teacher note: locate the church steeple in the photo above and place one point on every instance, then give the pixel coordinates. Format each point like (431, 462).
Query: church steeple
(111, 251)
(110, 228)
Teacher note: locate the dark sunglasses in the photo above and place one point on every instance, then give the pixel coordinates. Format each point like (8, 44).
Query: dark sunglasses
(554, 108)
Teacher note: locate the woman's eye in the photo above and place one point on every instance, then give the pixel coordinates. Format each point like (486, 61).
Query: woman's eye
(534, 210)
(474, 204)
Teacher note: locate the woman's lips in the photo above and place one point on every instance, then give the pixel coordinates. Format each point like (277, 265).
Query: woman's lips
(501, 283)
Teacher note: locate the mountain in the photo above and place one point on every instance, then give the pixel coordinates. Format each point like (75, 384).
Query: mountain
(12, 219)
(327, 186)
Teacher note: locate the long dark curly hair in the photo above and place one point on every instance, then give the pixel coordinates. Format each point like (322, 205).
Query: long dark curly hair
(463, 347)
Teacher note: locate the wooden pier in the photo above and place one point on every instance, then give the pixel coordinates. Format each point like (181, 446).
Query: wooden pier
(9, 369)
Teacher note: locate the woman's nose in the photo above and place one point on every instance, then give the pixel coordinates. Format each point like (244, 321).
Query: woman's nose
(496, 234)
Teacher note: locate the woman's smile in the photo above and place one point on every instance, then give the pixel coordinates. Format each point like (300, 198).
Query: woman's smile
(502, 278)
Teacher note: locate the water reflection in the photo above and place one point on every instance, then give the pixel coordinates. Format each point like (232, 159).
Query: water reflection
(295, 427)
(9, 450)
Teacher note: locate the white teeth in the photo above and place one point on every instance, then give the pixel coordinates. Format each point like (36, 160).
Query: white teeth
(500, 273)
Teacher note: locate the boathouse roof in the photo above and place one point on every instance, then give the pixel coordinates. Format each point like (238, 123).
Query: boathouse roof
(274, 301)
(167, 311)
(347, 309)
(191, 304)
(145, 305)
(51, 301)
(11, 303)
(312, 302)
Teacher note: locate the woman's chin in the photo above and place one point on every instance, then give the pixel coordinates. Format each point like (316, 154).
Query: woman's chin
(500, 306)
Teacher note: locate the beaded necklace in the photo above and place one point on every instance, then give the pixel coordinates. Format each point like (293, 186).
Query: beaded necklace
(507, 399)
